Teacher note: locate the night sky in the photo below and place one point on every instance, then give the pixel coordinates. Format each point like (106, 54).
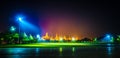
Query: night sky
(78, 18)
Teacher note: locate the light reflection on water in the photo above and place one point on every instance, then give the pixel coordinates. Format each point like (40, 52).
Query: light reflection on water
(60, 52)
(73, 49)
(109, 49)
(60, 49)
(16, 50)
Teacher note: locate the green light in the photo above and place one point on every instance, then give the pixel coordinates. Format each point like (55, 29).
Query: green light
(60, 49)
(95, 39)
(118, 36)
(2, 38)
(112, 39)
(73, 49)
(25, 35)
(60, 45)
(31, 37)
(118, 39)
(66, 44)
(16, 35)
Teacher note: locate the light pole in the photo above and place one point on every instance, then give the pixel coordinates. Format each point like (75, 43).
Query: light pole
(20, 20)
(12, 29)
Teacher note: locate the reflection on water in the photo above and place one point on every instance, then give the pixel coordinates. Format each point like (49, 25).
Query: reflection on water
(60, 49)
(61, 52)
(109, 49)
(73, 49)
(16, 50)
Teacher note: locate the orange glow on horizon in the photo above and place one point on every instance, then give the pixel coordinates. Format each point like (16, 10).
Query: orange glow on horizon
(58, 37)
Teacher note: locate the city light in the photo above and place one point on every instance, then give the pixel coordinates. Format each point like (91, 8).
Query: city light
(12, 28)
(107, 38)
(27, 27)
(118, 39)
(95, 39)
(61, 39)
(46, 36)
(73, 38)
(38, 36)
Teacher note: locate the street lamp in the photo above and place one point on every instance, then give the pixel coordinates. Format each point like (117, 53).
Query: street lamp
(20, 19)
(12, 28)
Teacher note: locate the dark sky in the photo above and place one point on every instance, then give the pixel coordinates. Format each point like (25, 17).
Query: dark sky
(84, 18)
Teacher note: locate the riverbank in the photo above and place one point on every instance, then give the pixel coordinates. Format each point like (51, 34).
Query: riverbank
(39, 45)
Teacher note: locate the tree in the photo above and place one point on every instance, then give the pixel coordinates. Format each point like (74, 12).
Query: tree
(25, 38)
(31, 38)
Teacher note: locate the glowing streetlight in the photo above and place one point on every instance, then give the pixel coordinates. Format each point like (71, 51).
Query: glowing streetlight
(20, 19)
(12, 28)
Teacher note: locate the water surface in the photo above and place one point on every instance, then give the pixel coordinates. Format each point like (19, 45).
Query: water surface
(62, 52)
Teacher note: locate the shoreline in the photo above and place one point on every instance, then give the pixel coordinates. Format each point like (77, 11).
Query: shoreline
(40, 45)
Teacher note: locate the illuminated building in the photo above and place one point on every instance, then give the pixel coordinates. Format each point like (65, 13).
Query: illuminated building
(46, 37)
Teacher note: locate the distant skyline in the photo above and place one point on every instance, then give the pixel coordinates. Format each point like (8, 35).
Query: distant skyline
(80, 18)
